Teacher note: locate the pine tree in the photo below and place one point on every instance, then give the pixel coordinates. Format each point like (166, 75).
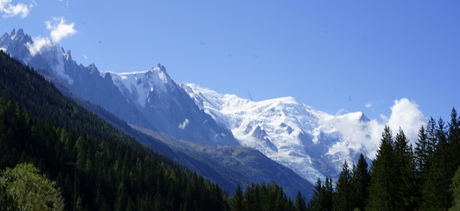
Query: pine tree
(360, 183)
(423, 150)
(343, 197)
(300, 203)
(322, 196)
(405, 165)
(454, 139)
(383, 189)
(238, 200)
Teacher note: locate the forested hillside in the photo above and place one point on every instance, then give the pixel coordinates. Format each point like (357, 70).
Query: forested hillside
(113, 171)
(402, 176)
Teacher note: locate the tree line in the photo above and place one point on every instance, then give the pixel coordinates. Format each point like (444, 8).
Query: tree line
(80, 156)
(402, 177)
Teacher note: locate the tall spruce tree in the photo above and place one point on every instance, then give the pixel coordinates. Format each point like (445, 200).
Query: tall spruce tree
(454, 139)
(300, 203)
(343, 199)
(322, 196)
(423, 150)
(360, 183)
(383, 189)
(405, 164)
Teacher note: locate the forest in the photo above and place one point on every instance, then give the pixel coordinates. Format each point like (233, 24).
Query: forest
(402, 177)
(92, 165)
(88, 165)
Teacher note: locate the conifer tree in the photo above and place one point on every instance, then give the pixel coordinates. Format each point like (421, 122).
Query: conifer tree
(405, 165)
(300, 202)
(423, 150)
(360, 183)
(343, 197)
(383, 189)
(454, 139)
(238, 199)
(322, 196)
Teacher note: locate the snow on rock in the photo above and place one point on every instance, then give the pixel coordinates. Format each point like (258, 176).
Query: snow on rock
(141, 84)
(293, 134)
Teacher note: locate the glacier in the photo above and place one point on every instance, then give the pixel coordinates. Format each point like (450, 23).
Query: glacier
(312, 143)
(291, 133)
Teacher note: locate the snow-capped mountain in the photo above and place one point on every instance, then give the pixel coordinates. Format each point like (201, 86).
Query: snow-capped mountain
(285, 130)
(150, 99)
(310, 142)
(169, 107)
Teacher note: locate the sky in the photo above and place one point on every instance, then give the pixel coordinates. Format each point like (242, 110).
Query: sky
(337, 56)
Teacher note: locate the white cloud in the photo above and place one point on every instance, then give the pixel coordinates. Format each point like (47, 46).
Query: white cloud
(368, 105)
(85, 57)
(10, 10)
(407, 115)
(356, 134)
(59, 30)
(38, 44)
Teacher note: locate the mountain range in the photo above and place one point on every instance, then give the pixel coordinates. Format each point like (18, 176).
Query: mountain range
(217, 130)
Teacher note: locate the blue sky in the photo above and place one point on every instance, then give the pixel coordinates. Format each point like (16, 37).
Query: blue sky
(336, 56)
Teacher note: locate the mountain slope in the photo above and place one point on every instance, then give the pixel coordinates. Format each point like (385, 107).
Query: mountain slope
(232, 166)
(143, 99)
(113, 171)
(159, 98)
(293, 134)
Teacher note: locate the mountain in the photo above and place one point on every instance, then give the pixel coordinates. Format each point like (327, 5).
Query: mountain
(293, 134)
(310, 142)
(230, 166)
(108, 169)
(150, 99)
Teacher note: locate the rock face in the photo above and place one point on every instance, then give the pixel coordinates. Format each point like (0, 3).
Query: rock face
(310, 142)
(150, 99)
(293, 134)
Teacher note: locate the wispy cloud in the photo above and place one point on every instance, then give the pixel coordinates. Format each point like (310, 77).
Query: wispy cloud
(10, 10)
(405, 114)
(59, 29)
(368, 105)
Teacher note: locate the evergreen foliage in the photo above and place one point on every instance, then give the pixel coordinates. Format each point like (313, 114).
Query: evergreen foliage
(344, 194)
(112, 171)
(115, 172)
(265, 197)
(402, 177)
(359, 183)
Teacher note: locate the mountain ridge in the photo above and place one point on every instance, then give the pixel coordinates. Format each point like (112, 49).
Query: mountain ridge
(289, 132)
(292, 133)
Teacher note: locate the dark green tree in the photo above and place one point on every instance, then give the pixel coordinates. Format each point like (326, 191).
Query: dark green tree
(406, 175)
(360, 182)
(343, 199)
(383, 189)
(300, 203)
(238, 202)
(455, 189)
(322, 196)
